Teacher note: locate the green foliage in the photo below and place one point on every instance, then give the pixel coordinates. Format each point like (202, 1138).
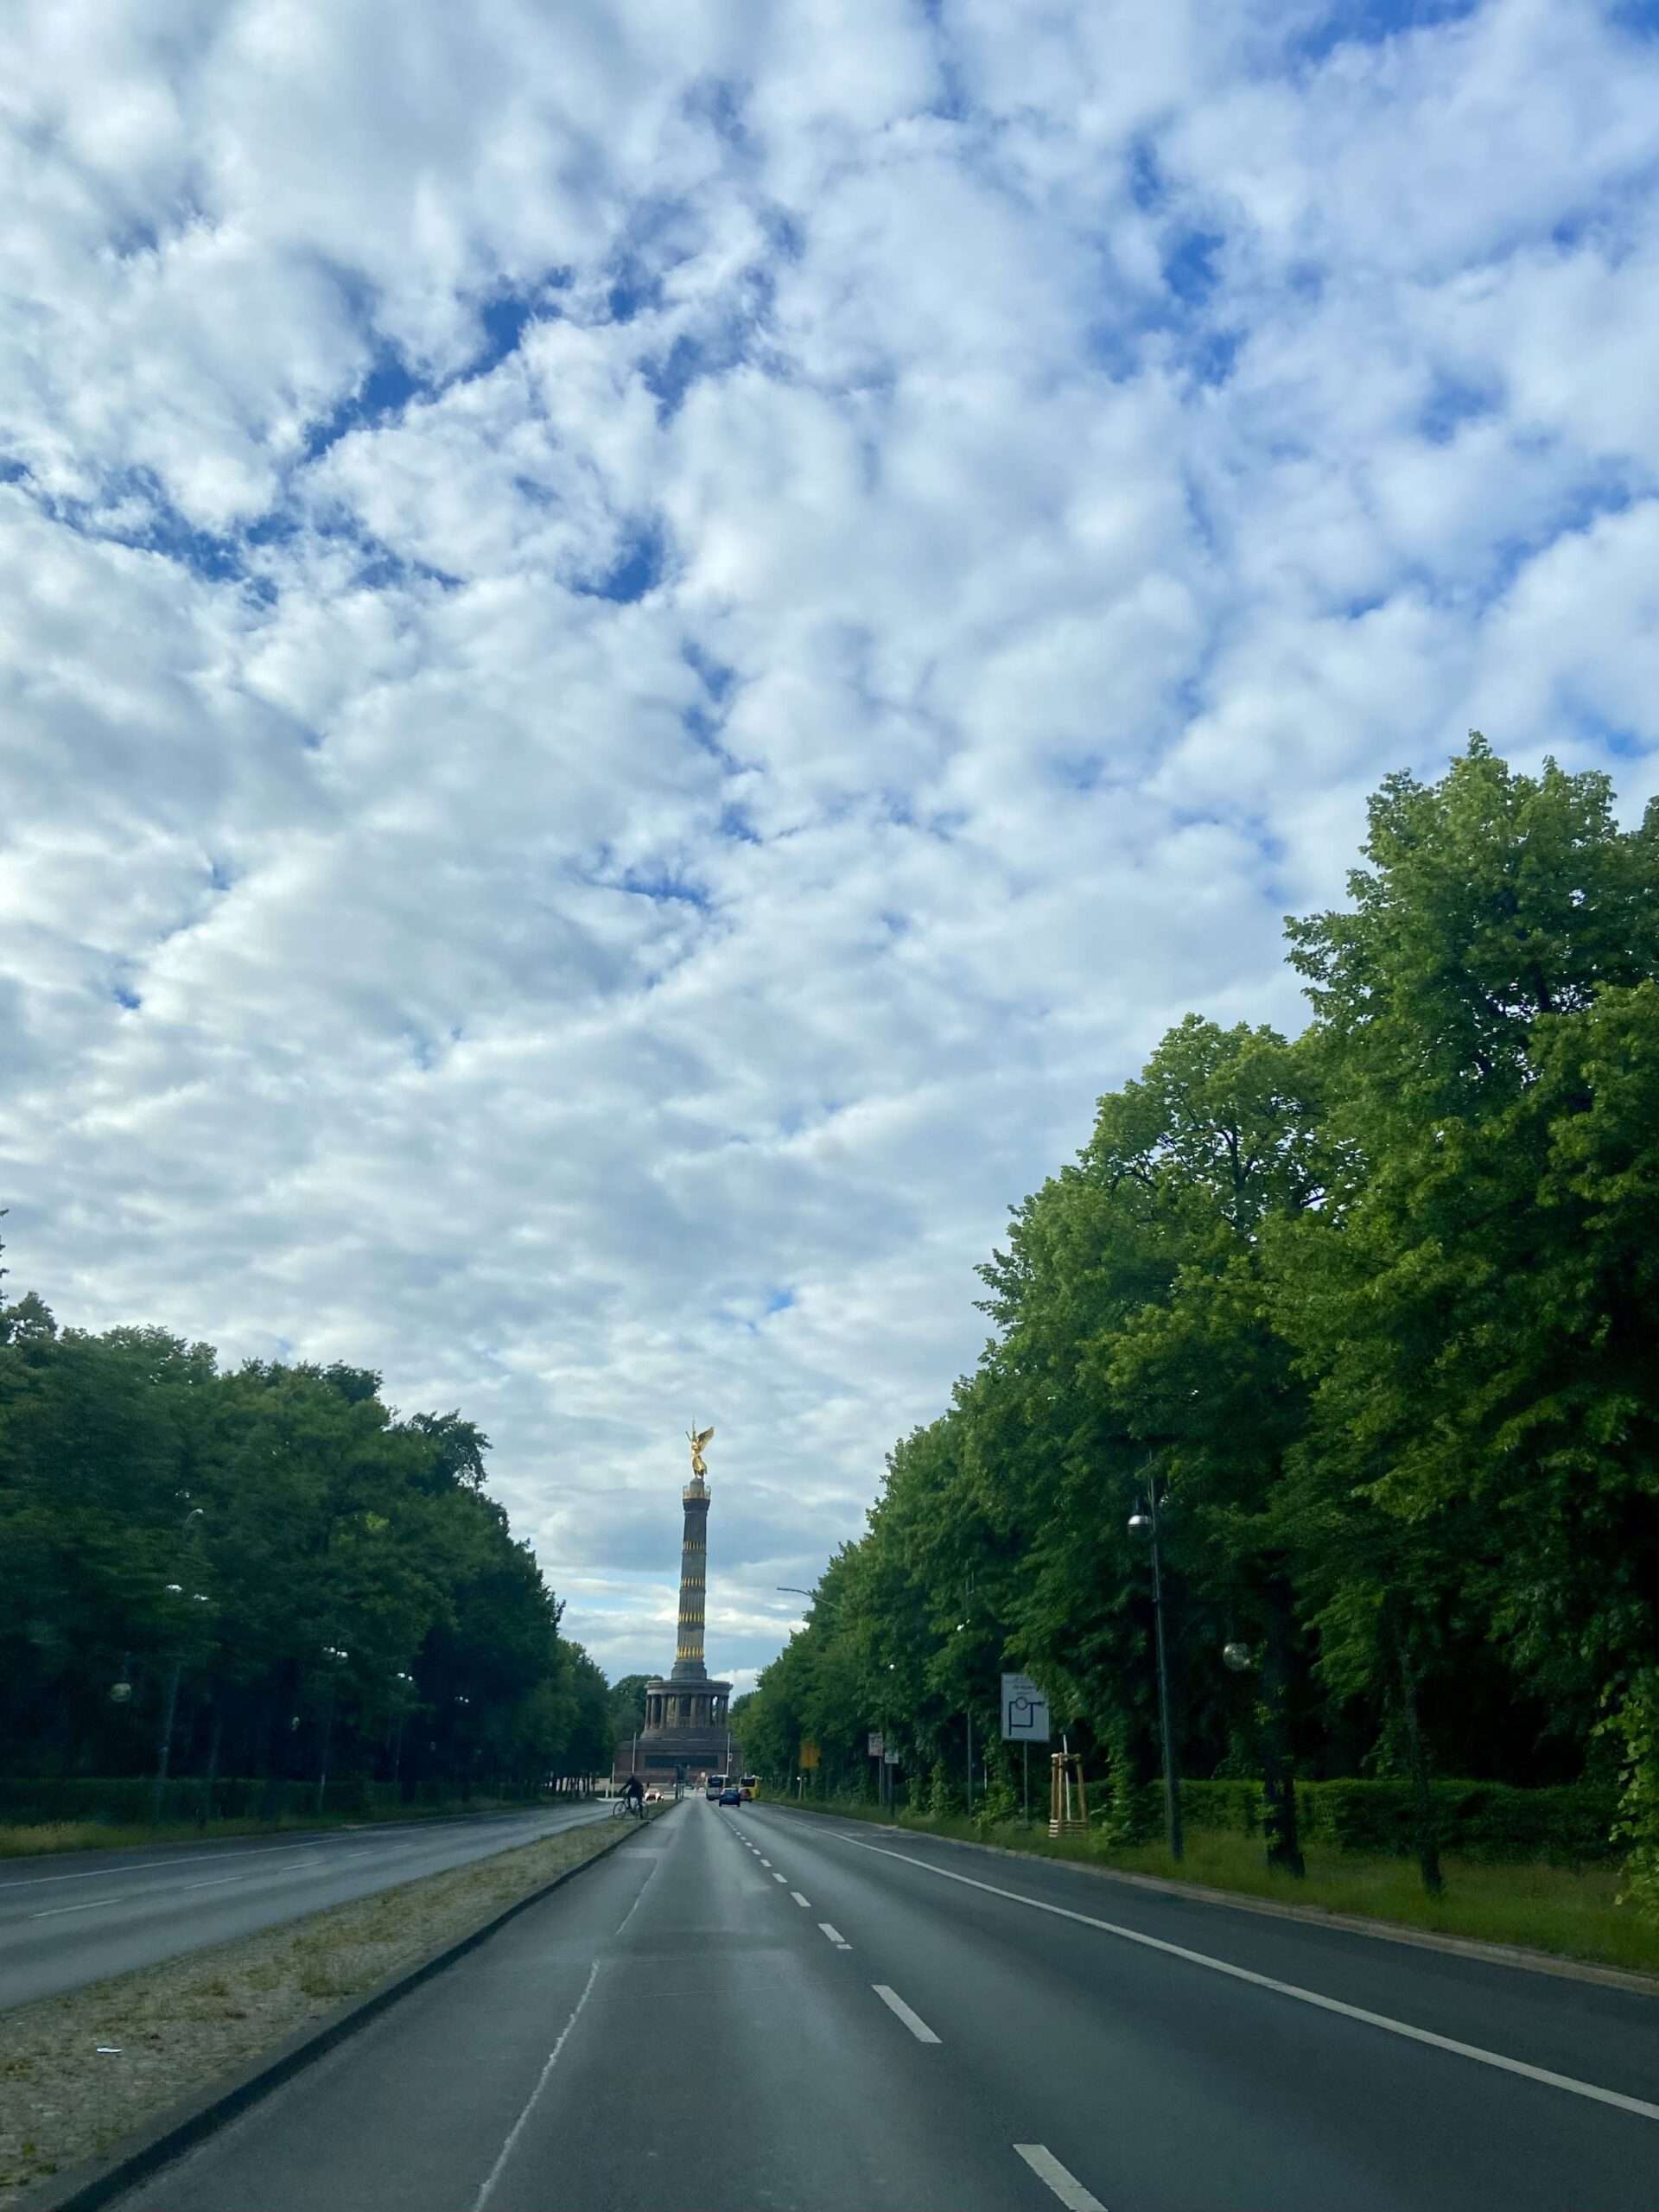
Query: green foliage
(1636, 1723)
(311, 1583)
(1375, 1308)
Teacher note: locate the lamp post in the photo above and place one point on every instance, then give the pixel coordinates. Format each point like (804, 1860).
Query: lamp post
(336, 1658)
(1146, 1524)
(403, 1684)
(170, 1705)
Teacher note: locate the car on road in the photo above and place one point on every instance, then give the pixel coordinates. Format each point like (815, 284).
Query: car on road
(731, 1795)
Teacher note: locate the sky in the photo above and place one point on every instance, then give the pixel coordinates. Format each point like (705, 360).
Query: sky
(642, 645)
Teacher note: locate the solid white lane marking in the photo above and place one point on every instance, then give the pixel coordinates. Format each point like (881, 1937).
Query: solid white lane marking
(799, 1900)
(896, 2004)
(1066, 2186)
(499, 2167)
(1403, 2028)
(835, 1936)
(640, 1899)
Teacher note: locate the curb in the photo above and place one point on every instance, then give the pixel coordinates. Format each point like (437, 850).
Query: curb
(1352, 1924)
(96, 2182)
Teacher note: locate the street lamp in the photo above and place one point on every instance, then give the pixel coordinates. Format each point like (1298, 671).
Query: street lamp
(402, 1684)
(1146, 1524)
(332, 1653)
(164, 1749)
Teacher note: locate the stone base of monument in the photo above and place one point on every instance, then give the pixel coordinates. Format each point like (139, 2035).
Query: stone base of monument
(685, 1728)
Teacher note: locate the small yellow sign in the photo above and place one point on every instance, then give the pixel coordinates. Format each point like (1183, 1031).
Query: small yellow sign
(809, 1757)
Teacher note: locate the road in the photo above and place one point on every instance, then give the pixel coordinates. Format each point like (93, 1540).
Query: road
(757, 2008)
(71, 1918)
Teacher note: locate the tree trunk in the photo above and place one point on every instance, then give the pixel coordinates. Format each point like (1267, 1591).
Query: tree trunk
(1278, 1764)
(1427, 1838)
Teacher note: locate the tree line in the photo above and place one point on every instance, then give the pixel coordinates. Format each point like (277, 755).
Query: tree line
(1371, 1316)
(265, 1573)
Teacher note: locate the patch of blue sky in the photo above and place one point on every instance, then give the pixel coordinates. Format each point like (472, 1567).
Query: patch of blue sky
(734, 822)
(718, 102)
(638, 569)
(219, 877)
(662, 888)
(1369, 23)
(11, 470)
(1078, 771)
(381, 570)
(134, 512)
(385, 391)
(1588, 502)
(779, 1301)
(126, 996)
(1623, 743)
(1451, 403)
(1188, 265)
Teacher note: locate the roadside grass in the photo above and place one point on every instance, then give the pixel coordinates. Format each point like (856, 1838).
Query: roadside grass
(32, 1839)
(80, 2071)
(1572, 1912)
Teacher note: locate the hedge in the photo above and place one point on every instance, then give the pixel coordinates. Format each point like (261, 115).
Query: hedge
(1568, 1825)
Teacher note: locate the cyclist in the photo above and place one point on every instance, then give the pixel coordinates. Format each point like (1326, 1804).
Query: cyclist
(635, 1794)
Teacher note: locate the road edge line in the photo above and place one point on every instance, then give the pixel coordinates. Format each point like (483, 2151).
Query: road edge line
(1523, 1960)
(96, 2182)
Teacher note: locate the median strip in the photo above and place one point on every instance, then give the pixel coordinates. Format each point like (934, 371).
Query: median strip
(131, 2070)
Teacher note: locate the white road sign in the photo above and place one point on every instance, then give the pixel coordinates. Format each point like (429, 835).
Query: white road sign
(1025, 1711)
(877, 1746)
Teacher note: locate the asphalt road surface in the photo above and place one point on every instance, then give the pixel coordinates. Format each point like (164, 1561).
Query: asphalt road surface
(757, 2008)
(75, 1917)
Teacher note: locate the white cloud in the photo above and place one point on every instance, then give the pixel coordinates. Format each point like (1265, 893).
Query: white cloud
(1055, 462)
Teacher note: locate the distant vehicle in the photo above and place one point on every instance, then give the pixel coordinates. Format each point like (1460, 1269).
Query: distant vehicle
(653, 1797)
(749, 1784)
(731, 1795)
(716, 1783)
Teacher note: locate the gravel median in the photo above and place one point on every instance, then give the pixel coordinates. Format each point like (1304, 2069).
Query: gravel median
(81, 2071)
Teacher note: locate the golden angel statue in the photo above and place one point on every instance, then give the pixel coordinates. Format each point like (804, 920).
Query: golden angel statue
(697, 1442)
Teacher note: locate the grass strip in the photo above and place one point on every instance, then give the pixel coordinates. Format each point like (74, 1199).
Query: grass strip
(80, 2071)
(1571, 1912)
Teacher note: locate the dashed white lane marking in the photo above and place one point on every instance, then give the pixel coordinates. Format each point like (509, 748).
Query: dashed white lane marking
(499, 2167)
(766, 1862)
(896, 2004)
(262, 1851)
(1065, 2186)
(835, 1936)
(799, 1900)
(56, 1911)
(1403, 2028)
(780, 1878)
